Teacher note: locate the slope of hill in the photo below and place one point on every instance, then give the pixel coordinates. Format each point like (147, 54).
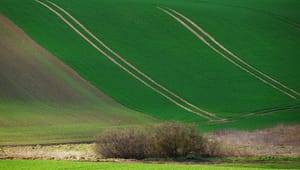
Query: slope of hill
(43, 100)
(192, 61)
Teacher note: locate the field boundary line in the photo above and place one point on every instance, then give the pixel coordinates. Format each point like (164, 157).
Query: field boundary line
(131, 65)
(271, 110)
(223, 55)
(118, 64)
(234, 55)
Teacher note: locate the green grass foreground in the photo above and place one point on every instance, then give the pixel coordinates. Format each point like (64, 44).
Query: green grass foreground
(53, 165)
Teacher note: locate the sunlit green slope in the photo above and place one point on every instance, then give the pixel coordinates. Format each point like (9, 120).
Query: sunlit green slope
(263, 35)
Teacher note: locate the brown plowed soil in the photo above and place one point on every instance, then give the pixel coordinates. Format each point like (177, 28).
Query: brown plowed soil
(29, 72)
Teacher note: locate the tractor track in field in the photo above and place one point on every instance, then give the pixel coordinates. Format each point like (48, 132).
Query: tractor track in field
(271, 110)
(257, 113)
(202, 113)
(234, 55)
(131, 65)
(168, 12)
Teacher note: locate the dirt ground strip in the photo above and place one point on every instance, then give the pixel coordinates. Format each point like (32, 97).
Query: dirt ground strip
(279, 141)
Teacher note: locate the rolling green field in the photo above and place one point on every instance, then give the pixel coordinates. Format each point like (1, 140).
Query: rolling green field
(53, 165)
(240, 65)
(43, 101)
(36, 123)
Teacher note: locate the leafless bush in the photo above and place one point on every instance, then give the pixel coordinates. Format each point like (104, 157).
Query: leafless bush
(167, 140)
(122, 143)
(212, 149)
(174, 140)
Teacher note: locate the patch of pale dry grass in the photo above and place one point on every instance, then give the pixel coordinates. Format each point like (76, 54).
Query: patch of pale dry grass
(277, 141)
(54, 152)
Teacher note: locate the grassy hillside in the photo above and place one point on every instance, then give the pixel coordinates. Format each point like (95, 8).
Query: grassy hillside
(262, 34)
(44, 101)
(193, 70)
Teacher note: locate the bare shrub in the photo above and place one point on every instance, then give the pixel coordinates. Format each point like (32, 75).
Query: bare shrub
(212, 149)
(174, 140)
(167, 140)
(122, 143)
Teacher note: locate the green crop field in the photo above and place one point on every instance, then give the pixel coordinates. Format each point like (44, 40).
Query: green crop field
(221, 64)
(43, 101)
(53, 165)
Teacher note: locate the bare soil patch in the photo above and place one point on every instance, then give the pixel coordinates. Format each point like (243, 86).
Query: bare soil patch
(29, 71)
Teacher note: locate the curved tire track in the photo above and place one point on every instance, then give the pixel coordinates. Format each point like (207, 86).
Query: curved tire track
(225, 56)
(119, 65)
(131, 65)
(234, 55)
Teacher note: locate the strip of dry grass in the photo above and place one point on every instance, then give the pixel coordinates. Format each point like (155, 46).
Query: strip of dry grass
(51, 152)
(277, 141)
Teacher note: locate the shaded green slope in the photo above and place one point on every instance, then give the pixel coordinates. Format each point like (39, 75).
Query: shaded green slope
(44, 101)
(170, 54)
